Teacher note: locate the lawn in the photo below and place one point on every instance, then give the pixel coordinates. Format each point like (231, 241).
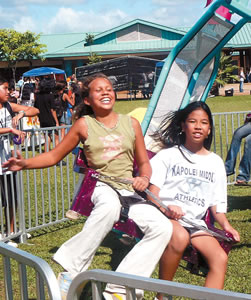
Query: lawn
(45, 242)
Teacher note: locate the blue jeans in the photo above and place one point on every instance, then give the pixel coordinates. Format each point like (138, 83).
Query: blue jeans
(245, 164)
(241, 86)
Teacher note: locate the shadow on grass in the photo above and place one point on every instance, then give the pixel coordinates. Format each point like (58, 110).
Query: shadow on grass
(239, 202)
(119, 250)
(239, 246)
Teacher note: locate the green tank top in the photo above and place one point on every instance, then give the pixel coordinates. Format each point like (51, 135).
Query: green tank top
(110, 151)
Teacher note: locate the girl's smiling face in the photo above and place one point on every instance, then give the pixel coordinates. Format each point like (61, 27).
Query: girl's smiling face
(4, 92)
(196, 128)
(101, 95)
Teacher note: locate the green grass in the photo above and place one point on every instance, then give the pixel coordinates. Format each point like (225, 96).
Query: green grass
(44, 243)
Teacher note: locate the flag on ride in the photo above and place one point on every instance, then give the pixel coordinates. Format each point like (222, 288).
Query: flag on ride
(208, 2)
(222, 11)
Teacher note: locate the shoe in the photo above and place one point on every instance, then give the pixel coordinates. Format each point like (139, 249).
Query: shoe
(64, 281)
(114, 296)
(72, 215)
(2, 235)
(242, 183)
(13, 244)
(127, 239)
(229, 174)
(61, 162)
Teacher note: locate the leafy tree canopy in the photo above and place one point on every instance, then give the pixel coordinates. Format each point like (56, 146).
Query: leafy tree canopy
(16, 46)
(94, 58)
(89, 38)
(225, 71)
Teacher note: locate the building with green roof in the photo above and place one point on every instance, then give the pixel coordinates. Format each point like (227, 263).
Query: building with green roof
(137, 38)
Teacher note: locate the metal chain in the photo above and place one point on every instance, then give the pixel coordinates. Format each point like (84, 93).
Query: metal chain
(148, 192)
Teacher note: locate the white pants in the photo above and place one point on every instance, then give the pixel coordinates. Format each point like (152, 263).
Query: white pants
(76, 254)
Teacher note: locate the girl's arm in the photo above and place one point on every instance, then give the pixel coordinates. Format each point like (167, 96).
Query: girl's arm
(54, 114)
(174, 211)
(23, 111)
(68, 99)
(145, 171)
(223, 222)
(72, 97)
(30, 111)
(77, 132)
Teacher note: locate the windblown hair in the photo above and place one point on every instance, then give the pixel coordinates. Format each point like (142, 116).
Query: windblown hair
(170, 130)
(83, 109)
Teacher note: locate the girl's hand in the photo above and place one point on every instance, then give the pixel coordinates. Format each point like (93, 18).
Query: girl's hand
(140, 183)
(14, 163)
(21, 134)
(234, 232)
(16, 119)
(175, 212)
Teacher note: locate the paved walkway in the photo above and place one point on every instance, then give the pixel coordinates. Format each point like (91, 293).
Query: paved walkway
(235, 86)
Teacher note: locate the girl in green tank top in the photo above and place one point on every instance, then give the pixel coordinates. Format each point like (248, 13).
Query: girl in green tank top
(111, 141)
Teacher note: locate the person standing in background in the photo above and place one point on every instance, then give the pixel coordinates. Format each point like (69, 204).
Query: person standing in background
(243, 131)
(44, 101)
(242, 78)
(10, 114)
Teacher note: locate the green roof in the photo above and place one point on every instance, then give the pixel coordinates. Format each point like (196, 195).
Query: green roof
(242, 38)
(105, 43)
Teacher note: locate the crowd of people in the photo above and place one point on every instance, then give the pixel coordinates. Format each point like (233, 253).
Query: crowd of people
(184, 175)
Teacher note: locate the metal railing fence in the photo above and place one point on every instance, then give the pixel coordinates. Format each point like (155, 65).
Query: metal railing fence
(21, 262)
(44, 195)
(132, 282)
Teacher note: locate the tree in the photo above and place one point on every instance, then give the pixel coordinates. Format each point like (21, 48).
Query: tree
(16, 47)
(89, 38)
(94, 57)
(225, 71)
(225, 74)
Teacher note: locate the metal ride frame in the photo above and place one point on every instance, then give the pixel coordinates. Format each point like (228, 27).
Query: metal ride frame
(194, 62)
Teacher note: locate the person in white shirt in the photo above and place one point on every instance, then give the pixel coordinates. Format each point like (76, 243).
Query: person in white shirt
(189, 179)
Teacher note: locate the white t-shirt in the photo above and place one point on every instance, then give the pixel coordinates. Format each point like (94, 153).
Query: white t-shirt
(242, 76)
(5, 151)
(193, 186)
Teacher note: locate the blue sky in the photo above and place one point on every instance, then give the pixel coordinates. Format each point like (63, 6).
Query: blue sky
(61, 16)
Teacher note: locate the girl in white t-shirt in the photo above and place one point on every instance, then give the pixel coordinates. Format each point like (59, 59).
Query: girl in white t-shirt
(189, 179)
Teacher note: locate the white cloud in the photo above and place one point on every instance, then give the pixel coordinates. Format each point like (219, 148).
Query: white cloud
(69, 20)
(24, 24)
(176, 3)
(177, 12)
(43, 2)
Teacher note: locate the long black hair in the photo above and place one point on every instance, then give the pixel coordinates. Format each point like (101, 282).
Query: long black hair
(83, 109)
(170, 130)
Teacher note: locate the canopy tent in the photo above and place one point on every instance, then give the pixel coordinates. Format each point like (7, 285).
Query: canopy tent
(57, 74)
(43, 71)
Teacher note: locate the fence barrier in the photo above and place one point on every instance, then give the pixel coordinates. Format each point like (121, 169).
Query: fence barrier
(132, 282)
(44, 277)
